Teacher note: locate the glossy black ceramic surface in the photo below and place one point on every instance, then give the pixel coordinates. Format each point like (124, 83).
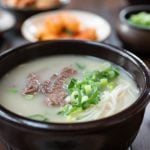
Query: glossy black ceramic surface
(112, 133)
(138, 2)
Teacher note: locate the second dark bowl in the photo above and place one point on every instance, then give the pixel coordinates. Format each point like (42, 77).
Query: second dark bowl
(113, 133)
(24, 13)
(135, 2)
(136, 39)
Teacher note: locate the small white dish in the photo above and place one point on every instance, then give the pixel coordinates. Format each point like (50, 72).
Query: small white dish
(32, 25)
(7, 21)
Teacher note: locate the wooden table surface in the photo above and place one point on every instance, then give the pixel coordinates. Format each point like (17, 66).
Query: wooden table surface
(109, 10)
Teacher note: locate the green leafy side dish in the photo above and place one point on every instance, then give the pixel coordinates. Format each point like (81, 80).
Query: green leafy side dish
(141, 19)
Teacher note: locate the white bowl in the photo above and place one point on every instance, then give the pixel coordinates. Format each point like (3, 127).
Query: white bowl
(32, 25)
(7, 21)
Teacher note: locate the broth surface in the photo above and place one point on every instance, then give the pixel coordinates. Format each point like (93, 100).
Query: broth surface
(112, 102)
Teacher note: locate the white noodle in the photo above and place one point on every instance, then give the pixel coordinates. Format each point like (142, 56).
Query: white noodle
(124, 93)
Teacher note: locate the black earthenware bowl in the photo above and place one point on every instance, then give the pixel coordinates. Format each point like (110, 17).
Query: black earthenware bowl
(135, 2)
(23, 13)
(135, 38)
(113, 133)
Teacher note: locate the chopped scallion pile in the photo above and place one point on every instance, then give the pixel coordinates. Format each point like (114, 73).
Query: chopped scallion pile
(86, 92)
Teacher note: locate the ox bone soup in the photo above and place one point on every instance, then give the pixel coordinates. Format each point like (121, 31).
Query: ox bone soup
(67, 88)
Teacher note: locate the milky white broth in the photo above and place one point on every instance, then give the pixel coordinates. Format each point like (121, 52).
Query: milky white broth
(112, 102)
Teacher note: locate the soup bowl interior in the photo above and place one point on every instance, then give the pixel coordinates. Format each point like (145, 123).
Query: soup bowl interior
(69, 135)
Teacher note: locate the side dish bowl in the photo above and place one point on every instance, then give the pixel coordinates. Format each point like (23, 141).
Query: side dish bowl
(23, 13)
(134, 37)
(22, 133)
(7, 21)
(32, 25)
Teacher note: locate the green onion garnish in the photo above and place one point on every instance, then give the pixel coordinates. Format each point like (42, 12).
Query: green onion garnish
(80, 66)
(86, 92)
(29, 97)
(39, 117)
(12, 90)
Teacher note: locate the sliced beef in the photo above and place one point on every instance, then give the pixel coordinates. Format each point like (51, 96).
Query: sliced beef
(53, 88)
(33, 84)
(45, 87)
(57, 93)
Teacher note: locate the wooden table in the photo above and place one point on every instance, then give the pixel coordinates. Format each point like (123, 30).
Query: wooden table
(108, 9)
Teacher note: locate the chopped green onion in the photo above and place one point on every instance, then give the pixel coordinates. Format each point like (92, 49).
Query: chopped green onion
(29, 97)
(80, 66)
(111, 85)
(38, 117)
(86, 92)
(72, 83)
(88, 89)
(103, 82)
(12, 90)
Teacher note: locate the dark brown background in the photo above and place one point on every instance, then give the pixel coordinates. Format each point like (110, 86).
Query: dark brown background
(108, 9)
